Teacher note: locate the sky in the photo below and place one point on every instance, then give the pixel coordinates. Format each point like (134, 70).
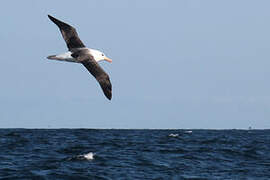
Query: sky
(184, 64)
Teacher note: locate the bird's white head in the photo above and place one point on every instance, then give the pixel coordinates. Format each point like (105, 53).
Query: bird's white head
(99, 56)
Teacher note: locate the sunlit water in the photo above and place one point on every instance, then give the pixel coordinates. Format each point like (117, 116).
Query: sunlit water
(134, 154)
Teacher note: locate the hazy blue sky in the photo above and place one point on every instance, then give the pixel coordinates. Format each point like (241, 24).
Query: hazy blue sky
(176, 64)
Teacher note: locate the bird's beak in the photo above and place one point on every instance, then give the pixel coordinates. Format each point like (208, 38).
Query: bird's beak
(107, 59)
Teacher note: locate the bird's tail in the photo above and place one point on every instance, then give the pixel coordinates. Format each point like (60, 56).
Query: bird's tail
(53, 57)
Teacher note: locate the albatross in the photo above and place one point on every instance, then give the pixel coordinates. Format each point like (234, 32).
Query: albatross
(78, 53)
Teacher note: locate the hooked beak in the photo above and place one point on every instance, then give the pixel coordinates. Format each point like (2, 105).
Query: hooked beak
(107, 59)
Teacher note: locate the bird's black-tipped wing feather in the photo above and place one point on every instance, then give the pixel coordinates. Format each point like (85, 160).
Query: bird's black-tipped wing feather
(69, 34)
(94, 68)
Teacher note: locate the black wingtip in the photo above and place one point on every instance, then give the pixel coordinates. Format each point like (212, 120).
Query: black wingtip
(106, 87)
(50, 17)
(108, 94)
(110, 98)
(59, 23)
(53, 19)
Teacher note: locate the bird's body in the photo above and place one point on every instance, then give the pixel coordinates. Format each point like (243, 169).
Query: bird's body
(78, 53)
(67, 56)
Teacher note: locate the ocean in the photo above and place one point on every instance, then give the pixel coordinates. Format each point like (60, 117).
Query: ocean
(134, 154)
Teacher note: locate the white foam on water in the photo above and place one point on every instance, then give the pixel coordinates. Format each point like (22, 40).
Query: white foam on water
(173, 135)
(89, 156)
(188, 131)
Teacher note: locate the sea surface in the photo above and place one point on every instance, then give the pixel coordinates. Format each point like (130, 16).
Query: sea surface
(134, 154)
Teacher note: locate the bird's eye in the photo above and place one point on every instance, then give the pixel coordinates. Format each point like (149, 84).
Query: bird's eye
(102, 55)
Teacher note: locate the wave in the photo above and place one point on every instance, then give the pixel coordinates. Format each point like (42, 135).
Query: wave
(173, 135)
(88, 156)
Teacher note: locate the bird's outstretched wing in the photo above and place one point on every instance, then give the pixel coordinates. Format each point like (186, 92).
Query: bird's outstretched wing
(94, 68)
(69, 34)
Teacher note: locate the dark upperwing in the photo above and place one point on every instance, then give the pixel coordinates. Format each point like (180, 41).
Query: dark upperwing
(94, 68)
(69, 34)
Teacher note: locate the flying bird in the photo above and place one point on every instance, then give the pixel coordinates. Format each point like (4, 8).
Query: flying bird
(78, 53)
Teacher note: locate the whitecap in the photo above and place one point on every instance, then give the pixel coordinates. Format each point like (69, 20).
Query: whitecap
(188, 132)
(173, 135)
(89, 156)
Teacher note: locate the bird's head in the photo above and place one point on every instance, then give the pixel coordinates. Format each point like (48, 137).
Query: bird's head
(99, 56)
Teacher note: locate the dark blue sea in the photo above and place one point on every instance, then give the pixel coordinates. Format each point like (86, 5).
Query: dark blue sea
(134, 154)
